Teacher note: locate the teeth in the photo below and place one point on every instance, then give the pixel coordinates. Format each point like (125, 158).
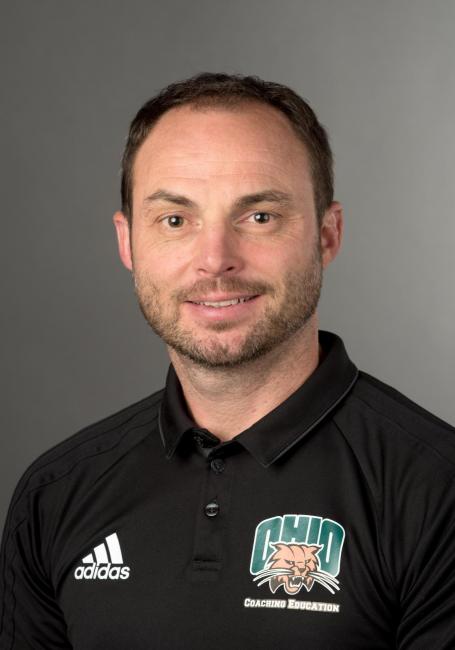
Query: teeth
(223, 303)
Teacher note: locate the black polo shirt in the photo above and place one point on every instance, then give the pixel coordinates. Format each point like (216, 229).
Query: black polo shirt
(328, 524)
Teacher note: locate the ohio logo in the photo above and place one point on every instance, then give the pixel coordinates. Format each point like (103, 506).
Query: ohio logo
(295, 551)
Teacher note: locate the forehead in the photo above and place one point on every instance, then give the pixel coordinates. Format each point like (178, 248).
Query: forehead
(250, 141)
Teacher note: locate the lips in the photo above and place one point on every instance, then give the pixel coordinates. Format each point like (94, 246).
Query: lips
(226, 302)
(222, 308)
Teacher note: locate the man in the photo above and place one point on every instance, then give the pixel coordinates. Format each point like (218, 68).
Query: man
(271, 496)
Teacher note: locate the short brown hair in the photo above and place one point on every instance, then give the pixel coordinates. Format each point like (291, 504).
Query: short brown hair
(217, 89)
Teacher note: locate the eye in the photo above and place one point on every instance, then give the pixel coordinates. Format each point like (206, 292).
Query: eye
(174, 221)
(261, 217)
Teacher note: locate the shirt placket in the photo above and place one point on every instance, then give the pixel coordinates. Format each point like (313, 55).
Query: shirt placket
(209, 549)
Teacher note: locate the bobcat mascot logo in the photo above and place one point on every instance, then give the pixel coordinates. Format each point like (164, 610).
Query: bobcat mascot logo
(293, 566)
(295, 551)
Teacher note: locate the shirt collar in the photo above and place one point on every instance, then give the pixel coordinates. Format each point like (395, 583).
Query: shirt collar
(284, 426)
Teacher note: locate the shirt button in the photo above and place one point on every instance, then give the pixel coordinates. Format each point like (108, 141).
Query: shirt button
(212, 509)
(199, 440)
(217, 464)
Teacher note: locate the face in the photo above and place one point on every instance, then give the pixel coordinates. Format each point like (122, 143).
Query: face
(225, 249)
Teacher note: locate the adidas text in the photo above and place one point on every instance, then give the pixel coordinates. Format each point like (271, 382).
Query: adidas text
(102, 572)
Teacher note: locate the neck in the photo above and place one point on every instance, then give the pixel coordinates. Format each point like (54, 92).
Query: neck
(227, 401)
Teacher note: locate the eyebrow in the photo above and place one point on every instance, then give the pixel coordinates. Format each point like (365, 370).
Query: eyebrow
(266, 196)
(163, 195)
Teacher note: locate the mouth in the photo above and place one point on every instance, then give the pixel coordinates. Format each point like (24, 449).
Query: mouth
(216, 309)
(295, 581)
(223, 303)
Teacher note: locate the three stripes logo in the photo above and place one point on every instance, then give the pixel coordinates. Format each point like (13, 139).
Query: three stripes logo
(105, 563)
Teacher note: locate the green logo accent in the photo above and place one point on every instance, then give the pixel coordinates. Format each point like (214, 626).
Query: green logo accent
(299, 529)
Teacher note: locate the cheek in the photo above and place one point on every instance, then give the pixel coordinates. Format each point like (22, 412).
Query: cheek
(158, 262)
(276, 261)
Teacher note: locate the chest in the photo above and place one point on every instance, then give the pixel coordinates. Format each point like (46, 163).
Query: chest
(237, 554)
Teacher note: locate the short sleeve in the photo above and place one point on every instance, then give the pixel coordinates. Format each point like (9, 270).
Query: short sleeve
(427, 584)
(30, 616)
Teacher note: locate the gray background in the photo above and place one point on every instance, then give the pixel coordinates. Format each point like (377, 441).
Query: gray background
(380, 74)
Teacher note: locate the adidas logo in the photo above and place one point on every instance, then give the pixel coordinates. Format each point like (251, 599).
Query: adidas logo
(105, 563)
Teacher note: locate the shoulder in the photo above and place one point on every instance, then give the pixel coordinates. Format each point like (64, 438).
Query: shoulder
(381, 423)
(88, 451)
(389, 402)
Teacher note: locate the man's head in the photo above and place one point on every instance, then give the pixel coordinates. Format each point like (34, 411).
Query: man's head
(222, 227)
(229, 91)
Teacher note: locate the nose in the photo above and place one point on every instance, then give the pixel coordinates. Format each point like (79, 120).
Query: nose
(218, 251)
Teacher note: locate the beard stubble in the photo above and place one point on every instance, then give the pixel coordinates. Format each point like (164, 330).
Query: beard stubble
(292, 308)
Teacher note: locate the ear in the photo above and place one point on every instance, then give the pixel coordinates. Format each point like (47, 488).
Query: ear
(331, 232)
(278, 546)
(123, 239)
(314, 549)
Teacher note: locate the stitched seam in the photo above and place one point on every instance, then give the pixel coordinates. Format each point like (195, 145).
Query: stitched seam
(404, 402)
(12, 532)
(72, 449)
(375, 505)
(409, 433)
